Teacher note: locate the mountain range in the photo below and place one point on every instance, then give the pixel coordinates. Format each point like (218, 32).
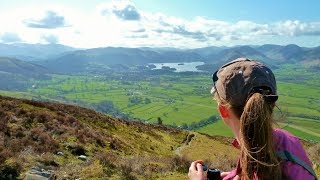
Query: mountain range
(79, 61)
(64, 59)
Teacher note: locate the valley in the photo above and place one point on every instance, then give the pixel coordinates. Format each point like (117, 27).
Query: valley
(180, 100)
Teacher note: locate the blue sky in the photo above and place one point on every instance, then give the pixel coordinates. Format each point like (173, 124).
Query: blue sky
(235, 10)
(160, 23)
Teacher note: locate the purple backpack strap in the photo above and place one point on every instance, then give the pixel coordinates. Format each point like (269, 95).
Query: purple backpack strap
(286, 155)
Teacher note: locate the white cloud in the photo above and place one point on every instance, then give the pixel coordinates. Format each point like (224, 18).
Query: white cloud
(297, 28)
(10, 37)
(51, 39)
(124, 10)
(121, 23)
(51, 20)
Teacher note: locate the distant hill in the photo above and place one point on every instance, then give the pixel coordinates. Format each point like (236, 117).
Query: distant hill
(210, 50)
(272, 55)
(71, 142)
(289, 53)
(15, 74)
(79, 61)
(268, 48)
(236, 52)
(12, 65)
(33, 52)
(312, 54)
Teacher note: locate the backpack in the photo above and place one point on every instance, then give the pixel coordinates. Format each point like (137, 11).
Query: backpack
(295, 165)
(287, 156)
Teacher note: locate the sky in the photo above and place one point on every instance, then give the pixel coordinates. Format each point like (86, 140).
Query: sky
(160, 23)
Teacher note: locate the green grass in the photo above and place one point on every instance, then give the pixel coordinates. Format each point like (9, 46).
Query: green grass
(312, 125)
(299, 98)
(301, 134)
(174, 103)
(217, 128)
(16, 94)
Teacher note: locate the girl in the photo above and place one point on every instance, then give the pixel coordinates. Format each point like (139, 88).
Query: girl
(246, 92)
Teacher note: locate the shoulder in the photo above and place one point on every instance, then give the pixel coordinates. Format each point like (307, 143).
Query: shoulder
(286, 141)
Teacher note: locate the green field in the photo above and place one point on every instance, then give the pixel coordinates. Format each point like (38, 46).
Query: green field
(180, 99)
(176, 104)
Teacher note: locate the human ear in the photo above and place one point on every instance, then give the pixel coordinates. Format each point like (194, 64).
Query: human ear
(224, 111)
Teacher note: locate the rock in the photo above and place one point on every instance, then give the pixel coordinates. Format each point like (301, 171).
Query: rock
(82, 157)
(60, 153)
(35, 177)
(37, 173)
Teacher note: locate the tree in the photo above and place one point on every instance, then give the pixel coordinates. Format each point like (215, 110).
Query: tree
(159, 121)
(147, 101)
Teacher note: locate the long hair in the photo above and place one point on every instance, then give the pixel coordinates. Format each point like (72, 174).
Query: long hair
(258, 155)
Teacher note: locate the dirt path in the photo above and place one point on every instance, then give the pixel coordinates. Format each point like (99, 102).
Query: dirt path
(186, 143)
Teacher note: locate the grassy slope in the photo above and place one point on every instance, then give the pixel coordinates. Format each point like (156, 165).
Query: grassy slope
(36, 131)
(44, 129)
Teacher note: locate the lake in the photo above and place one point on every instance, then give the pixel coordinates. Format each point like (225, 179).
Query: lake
(180, 66)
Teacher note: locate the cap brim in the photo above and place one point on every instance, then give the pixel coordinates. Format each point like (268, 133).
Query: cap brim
(271, 98)
(214, 76)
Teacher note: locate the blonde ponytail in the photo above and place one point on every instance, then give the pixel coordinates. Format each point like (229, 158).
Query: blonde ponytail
(258, 156)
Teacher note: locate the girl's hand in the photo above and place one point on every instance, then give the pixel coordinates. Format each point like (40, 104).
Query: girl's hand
(196, 172)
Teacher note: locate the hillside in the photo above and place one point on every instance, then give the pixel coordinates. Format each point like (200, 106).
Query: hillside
(53, 137)
(65, 141)
(289, 53)
(232, 53)
(12, 65)
(15, 74)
